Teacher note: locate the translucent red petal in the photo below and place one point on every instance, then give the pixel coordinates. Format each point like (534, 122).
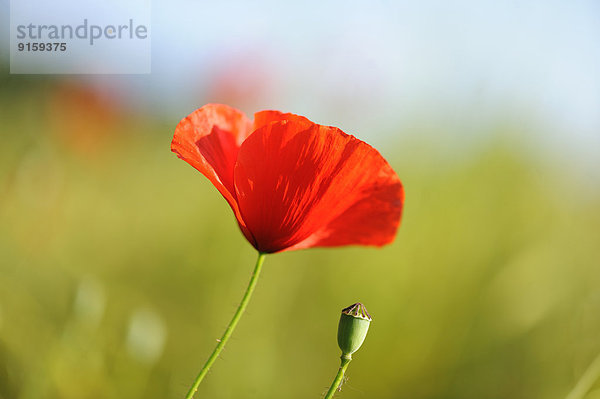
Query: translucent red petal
(263, 118)
(301, 185)
(209, 139)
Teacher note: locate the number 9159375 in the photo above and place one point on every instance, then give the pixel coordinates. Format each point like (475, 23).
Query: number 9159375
(49, 46)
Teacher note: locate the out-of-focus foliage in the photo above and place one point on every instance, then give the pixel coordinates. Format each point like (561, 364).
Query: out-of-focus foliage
(120, 265)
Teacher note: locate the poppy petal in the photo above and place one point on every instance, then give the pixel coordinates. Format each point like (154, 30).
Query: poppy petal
(263, 118)
(209, 139)
(301, 186)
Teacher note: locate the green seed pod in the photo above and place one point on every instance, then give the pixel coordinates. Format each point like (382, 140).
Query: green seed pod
(353, 327)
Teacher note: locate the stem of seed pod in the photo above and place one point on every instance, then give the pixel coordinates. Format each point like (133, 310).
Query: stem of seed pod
(337, 381)
(230, 327)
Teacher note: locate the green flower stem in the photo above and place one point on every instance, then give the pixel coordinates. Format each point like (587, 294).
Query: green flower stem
(587, 380)
(337, 381)
(230, 327)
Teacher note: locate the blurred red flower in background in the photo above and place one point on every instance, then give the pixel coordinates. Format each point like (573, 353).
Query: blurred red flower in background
(84, 118)
(292, 183)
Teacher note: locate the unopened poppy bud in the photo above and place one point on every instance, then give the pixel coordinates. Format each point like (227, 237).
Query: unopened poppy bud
(353, 327)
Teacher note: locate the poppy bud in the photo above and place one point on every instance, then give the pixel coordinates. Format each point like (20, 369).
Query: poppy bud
(353, 327)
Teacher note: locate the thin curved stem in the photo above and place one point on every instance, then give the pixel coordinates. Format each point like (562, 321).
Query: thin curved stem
(337, 381)
(230, 327)
(587, 380)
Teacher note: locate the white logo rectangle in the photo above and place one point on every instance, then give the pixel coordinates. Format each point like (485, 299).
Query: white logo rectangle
(80, 37)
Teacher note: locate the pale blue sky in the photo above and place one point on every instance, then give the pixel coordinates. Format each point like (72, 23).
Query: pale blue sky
(373, 66)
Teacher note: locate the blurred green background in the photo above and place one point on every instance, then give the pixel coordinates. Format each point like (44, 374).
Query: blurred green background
(121, 265)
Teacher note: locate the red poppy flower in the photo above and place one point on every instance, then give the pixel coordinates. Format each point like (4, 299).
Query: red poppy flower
(292, 183)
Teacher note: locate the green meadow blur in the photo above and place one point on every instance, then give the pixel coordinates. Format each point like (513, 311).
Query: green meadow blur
(121, 265)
